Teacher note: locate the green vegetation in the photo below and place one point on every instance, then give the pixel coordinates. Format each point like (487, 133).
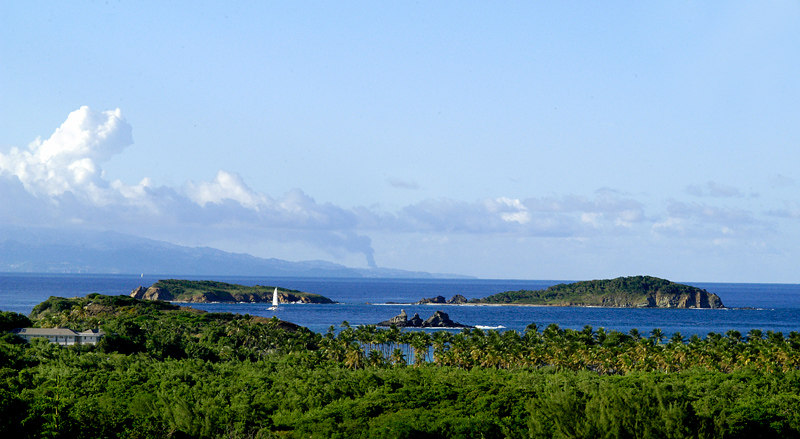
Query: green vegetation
(167, 371)
(10, 320)
(211, 291)
(633, 291)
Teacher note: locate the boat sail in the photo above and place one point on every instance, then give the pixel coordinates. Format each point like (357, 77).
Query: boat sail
(274, 300)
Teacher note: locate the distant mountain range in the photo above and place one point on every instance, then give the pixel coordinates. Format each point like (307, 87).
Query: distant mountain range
(24, 250)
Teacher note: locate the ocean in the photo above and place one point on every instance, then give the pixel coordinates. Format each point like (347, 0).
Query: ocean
(768, 307)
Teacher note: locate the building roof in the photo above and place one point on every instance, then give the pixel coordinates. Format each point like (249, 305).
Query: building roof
(44, 332)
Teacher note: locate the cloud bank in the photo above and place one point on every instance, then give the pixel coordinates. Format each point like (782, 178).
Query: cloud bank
(60, 181)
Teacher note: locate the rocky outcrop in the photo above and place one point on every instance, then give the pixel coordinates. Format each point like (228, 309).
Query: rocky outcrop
(693, 299)
(400, 320)
(439, 319)
(658, 299)
(440, 300)
(458, 299)
(283, 297)
(152, 293)
(432, 300)
(415, 322)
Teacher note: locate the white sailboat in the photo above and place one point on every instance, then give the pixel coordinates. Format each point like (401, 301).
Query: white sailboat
(274, 306)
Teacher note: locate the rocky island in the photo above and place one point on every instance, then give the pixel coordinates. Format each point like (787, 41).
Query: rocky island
(205, 291)
(622, 292)
(458, 299)
(439, 319)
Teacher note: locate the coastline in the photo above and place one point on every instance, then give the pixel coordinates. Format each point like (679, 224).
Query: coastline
(534, 305)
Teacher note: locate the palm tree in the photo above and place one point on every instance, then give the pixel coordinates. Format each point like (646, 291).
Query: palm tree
(657, 335)
(366, 335)
(441, 340)
(676, 338)
(405, 340)
(511, 345)
(734, 336)
(754, 334)
(397, 358)
(392, 338)
(376, 358)
(421, 343)
(354, 356)
(459, 353)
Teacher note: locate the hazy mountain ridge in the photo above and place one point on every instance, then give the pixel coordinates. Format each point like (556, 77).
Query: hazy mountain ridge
(38, 250)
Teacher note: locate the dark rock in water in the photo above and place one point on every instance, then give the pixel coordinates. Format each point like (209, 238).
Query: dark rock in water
(427, 300)
(439, 319)
(458, 299)
(400, 320)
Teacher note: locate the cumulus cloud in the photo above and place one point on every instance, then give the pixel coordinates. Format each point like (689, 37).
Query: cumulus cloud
(225, 186)
(60, 180)
(68, 161)
(510, 210)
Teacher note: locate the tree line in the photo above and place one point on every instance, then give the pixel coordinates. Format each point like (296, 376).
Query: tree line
(165, 371)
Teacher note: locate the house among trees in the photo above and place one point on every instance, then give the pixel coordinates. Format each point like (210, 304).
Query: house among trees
(61, 336)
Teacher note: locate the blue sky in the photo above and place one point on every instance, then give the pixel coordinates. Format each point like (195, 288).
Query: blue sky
(570, 140)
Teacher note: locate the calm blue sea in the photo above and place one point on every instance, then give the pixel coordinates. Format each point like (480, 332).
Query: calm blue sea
(776, 307)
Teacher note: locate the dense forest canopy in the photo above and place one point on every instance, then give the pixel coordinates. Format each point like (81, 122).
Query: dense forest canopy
(168, 371)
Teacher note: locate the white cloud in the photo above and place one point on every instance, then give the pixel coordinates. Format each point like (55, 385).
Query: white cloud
(225, 186)
(68, 160)
(669, 226)
(60, 181)
(591, 218)
(567, 216)
(510, 210)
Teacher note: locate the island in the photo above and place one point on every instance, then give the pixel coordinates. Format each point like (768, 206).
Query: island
(439, 319)
(621, 292)
(206, 291)
(458, 299)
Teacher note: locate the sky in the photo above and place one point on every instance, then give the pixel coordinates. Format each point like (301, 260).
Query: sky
(530, 140)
